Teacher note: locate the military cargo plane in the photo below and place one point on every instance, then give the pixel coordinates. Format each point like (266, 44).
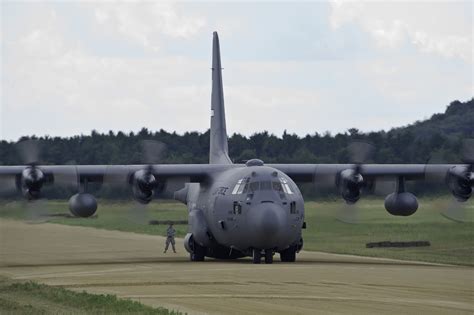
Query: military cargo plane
(237, 210)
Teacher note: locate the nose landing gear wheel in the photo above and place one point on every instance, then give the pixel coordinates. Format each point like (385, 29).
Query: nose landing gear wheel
(289, 254)
(268, 256)
(256, 256)
(198, 252)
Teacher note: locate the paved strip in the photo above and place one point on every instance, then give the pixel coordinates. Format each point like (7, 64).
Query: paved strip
(133, 266)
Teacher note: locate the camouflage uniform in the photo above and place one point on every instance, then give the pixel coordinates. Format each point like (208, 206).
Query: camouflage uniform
(170, 232)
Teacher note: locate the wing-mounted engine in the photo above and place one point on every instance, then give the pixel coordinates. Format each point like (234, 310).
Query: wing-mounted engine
(144, 184)
(350, 183)
(32, 180)
(401, 202)
(460, 180)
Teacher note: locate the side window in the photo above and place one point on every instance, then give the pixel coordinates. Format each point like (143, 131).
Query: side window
(293, 207)
(237, 208)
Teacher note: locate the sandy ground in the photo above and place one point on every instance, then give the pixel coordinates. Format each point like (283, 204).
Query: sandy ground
(133, 266)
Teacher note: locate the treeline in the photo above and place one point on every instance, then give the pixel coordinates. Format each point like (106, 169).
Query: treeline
(440, 137)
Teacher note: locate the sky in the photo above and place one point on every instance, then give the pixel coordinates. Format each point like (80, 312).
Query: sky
(70, 67)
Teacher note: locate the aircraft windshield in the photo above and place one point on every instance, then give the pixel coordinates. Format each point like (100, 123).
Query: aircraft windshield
(244, 186)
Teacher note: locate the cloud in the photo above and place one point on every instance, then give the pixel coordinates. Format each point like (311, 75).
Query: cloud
(440, 28)
(57, 81)
(146, 22)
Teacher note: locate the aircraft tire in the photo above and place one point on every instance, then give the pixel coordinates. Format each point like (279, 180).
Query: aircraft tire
(198, 252)
(289, 254)
(256, 256)
(268, 256)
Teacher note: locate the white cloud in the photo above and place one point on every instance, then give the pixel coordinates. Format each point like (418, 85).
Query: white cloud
(145, 22)
(442, 28)
(54, 81)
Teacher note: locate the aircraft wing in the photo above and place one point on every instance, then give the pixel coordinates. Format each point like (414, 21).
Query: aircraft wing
(142, 179)
(98, 173)
(311, 172)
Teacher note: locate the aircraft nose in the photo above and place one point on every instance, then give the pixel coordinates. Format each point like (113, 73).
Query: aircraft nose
(268, 225)
(268, 221)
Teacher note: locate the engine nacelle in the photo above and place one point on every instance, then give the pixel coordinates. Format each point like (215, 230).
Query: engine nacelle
(143, 186)
(82, 205)
(459, 180)
(401, 204)
(32, 180)
(350, 185)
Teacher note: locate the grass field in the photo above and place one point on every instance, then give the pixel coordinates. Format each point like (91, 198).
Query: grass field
(33, 298)
(451, 242)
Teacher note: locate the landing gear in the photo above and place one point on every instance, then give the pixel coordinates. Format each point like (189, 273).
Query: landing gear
(198, 252)
(289, 254)
(256, 256)
(268, 256)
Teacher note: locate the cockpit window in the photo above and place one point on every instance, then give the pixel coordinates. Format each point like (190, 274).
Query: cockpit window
(266, 185)
(286, 187)
(244, 186)
(241, 187)
(277, 186)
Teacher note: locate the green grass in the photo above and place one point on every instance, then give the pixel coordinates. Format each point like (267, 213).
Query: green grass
(33, 298)
(451, 242)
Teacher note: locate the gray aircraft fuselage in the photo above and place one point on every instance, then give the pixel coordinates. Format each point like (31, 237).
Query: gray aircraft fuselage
(246, 208)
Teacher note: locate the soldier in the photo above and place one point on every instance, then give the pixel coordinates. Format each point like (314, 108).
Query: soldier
(170, 232)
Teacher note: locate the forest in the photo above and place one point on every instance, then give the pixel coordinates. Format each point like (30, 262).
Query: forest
(437, 139)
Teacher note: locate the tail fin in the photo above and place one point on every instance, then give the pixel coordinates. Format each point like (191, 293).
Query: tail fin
(219, 151)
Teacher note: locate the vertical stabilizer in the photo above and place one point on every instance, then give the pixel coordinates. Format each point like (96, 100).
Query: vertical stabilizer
(219, 152)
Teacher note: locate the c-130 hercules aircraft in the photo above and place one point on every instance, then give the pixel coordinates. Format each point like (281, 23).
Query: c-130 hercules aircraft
(238, 210)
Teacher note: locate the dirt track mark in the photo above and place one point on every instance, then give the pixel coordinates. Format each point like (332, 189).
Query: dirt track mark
(437, 303)
(150, 283)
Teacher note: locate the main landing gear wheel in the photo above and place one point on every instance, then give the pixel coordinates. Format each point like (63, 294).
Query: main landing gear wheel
(268, 256)
(198, 252)
(256, 256)
(289, 254)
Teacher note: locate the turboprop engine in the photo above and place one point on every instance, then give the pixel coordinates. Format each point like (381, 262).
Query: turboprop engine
(460, 181)
(32, 179)
(350, 185)
(143, 185)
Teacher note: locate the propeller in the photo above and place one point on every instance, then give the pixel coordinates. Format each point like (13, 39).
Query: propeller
(351, 181)
(32, 180)
(460, 180)
(142, 182)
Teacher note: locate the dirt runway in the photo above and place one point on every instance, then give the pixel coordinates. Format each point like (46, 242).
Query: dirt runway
(133, 266)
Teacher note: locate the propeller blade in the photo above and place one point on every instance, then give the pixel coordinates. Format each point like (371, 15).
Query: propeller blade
(360, 152)
(29, 151)
(116, 180)
(36, 211)
(455, 211)
(152, 151)
(348, 213)
(467, 151)
(66, 177)
(8, 186)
